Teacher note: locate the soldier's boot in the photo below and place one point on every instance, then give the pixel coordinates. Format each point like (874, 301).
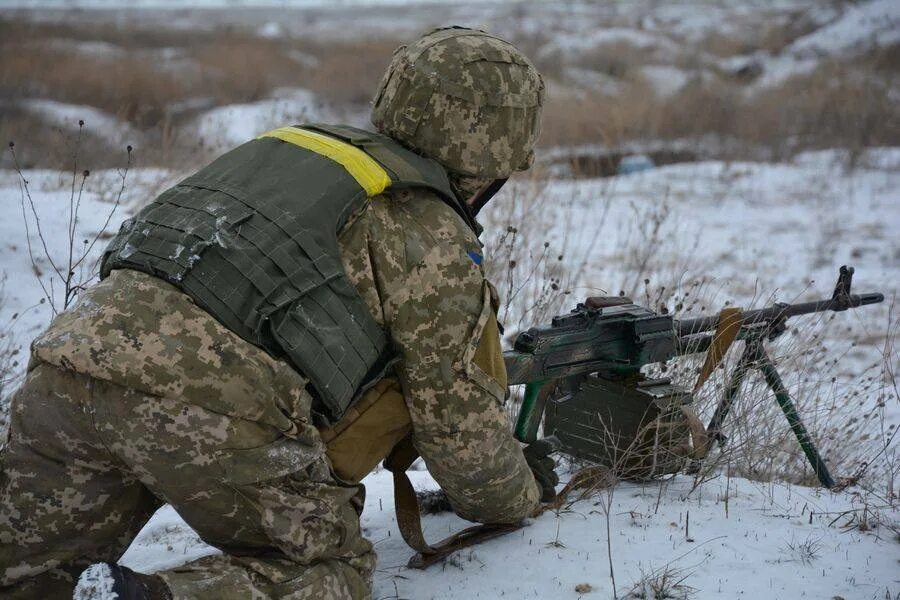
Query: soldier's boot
(102, 580)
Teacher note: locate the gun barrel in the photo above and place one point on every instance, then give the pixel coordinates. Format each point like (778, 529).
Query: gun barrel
(781, 311)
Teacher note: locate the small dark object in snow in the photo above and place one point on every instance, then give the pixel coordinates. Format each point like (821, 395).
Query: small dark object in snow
(584, 588)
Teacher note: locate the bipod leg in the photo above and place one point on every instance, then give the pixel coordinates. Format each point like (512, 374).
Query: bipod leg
(714, 429)
(773, 380)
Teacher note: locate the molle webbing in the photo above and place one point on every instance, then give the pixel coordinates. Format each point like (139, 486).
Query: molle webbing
(252, 239)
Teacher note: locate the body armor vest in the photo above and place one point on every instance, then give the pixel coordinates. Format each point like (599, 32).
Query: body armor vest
(252, 239)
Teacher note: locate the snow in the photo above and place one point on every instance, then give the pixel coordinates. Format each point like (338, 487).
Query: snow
(23, 312)
(863, 26)
(228, 126)
(775, 69)
(860, 28)
(662, 35)
(96, 583)
(588, 79)
(878, 159)
(613, 35)
(165, 542)
(304, 58)
(745, 233)
(271, 30)
(749, 229)
(665, 80)
(163, 4)
(96, 121)
(728, 538)
(93, 48)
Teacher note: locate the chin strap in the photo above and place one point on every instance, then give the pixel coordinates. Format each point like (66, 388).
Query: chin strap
(482, 196)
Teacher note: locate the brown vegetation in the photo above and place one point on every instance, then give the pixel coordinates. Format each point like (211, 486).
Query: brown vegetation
(48, 146)
(836, 106)
(158, 80)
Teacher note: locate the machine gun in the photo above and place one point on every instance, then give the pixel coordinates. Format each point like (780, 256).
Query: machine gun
(574, 366)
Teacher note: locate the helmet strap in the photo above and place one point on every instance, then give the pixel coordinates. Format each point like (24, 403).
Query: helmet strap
(482, 196)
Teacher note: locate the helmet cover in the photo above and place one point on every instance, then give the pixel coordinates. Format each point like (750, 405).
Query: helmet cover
(464, 98)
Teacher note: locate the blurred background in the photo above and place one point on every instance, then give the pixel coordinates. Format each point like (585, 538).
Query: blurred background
(678, 81)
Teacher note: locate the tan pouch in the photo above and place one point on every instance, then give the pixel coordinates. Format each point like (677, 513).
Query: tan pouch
(489, 353)
(482, 357)
(368, 431)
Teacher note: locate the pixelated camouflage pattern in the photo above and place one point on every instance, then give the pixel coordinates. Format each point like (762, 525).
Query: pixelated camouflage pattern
(408, 255)
(136, 395)
(89, 461)
(142, 333)
(467, 99)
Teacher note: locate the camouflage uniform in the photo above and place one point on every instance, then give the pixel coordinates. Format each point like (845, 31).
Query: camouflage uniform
(137, 397)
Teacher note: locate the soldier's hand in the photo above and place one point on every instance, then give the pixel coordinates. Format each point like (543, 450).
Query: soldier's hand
(537, 455)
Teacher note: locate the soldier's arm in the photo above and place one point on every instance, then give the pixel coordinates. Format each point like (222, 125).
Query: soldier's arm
(444, 329)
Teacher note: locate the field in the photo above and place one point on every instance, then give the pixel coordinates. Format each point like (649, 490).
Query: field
(774, 133)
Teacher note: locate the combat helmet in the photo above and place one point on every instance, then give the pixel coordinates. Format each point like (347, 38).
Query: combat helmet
(467, 99)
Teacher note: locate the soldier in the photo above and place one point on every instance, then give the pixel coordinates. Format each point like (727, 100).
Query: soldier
(265, 332)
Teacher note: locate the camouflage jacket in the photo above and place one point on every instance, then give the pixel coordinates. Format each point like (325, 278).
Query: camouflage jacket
(417, 266)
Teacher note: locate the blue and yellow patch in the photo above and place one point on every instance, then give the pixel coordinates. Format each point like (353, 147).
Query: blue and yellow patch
(476, 258)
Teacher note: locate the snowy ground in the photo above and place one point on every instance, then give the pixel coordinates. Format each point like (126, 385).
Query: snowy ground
(765, 541)
(750, 232)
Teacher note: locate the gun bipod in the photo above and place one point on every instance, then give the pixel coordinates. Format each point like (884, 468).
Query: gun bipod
(754, 356)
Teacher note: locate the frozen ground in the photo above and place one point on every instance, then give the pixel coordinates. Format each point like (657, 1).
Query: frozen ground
(750, 232)
(727, 539)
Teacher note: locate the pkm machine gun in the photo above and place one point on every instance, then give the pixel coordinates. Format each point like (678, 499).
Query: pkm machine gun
(573, 367)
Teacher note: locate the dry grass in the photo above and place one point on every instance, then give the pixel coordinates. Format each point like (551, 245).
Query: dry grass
(662, 584)
(574, 121)
(47, 147)
(235, 68)
(537, 259)
(845, 105)
(126, 86)
(349, 72)
(615, 59)
(158, 80)
(130, 84)
(838, 105)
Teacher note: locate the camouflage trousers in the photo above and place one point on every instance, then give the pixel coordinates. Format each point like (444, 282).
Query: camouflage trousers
(88, 462)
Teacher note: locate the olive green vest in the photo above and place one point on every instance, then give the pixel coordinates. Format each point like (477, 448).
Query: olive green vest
(252, 239)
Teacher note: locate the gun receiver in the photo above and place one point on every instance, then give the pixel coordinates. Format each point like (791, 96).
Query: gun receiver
(613, 338)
